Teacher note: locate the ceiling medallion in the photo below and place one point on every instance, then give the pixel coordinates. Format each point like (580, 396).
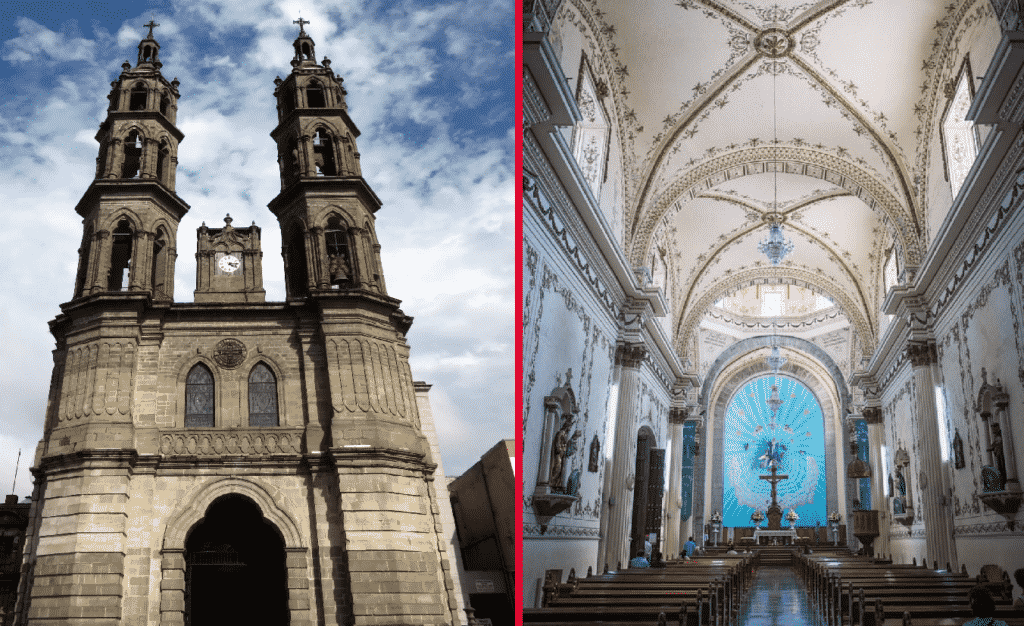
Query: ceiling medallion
(773, 42)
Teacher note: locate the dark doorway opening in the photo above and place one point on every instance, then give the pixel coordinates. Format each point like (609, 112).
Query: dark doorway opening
(235, 568)
(647, 492)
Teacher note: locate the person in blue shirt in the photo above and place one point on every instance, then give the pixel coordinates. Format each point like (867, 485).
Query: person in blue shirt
(689, 547)
(639, 560)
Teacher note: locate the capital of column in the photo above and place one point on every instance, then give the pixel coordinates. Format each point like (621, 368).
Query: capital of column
(872, 414)
(921, 353)
(630, 354)
(677, 415)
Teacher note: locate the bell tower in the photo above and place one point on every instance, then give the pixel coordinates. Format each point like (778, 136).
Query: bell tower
(326, 209)
(130, 211)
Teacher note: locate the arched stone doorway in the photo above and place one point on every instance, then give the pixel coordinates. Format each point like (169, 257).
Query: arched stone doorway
(235, 567)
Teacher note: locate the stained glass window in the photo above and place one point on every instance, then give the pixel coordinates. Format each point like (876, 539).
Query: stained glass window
(793, 438)
(262, 396)
(199, 398)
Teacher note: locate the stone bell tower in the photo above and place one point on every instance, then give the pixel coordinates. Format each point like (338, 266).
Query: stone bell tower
(130, 211)
(326, 208)
(232, 460)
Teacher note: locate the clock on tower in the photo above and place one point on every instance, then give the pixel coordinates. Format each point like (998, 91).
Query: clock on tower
(228, 264)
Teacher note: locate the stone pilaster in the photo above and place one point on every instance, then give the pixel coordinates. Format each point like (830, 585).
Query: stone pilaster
(934, 490)
(879, 473)
(619, 485)
(673, 524)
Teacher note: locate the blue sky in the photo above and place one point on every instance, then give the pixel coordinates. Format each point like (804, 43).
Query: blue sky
(430, 85)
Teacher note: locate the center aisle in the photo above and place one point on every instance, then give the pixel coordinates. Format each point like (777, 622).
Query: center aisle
(777, 598)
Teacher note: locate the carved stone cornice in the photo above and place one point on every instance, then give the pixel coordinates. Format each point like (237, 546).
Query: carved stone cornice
(872, 414)
(630, 354)
(921, 353)
(677, 415)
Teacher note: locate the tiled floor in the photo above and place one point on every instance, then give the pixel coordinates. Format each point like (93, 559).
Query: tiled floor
(777, 598)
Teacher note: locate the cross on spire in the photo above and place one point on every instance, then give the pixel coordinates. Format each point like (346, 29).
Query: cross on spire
(150, 25)
(302, 23)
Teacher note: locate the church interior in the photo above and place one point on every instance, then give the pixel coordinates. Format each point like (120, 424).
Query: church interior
(772, 269)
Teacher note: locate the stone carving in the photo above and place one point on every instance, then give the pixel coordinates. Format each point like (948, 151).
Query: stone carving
(229, 353)
(595, 454)
(98, 380)
(244, 442)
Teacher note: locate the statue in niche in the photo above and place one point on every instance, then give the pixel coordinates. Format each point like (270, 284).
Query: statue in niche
(595, 454)
(899, 503)
(890, 485)
(994, 476)
(561, 448)
(958, 450)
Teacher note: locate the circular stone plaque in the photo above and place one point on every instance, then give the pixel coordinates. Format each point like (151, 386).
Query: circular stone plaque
(229, 353)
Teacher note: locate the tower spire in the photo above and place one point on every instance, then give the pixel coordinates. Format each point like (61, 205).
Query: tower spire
(149, 49)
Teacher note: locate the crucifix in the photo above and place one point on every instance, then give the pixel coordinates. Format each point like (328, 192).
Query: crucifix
(774, 479)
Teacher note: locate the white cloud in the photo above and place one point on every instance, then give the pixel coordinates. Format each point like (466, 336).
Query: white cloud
(35, 42)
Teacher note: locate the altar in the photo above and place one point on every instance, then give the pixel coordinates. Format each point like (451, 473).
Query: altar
(788, 535)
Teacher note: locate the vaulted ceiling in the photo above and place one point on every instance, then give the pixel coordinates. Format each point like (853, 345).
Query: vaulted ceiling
(698, 82)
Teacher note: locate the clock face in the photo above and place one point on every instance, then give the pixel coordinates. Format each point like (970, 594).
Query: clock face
(229, 263)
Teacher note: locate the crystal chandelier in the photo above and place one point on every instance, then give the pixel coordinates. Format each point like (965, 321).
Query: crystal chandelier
(776, 246)
(775, 360)
(774, 401)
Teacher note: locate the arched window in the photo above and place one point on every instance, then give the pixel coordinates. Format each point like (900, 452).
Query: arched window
(120, 257)
(296, 277)
(199, 398)
(262, 397)
(307, 52)
(323, 153)
(162, 159)
(337, 252)
(165, 104)
(158, 278)
(315, 95)
(132, 156)
(83, 262)
(147, 53)
(137, 101)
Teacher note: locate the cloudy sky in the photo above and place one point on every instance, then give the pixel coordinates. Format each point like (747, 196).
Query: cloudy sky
(430, 85)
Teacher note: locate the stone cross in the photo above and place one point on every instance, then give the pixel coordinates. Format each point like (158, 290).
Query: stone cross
(151, 25)
(774, 479)
(301, 22)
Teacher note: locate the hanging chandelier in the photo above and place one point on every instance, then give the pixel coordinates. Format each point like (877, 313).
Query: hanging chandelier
(776, 246)
(775, 360)
(774, 401)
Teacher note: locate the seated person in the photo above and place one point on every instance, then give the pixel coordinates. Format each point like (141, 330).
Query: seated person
(656, 560)
(689, 547)
(983, 607)
(1019, 577)
(639, 560)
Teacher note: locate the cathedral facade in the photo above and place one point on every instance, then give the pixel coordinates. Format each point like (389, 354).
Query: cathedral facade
(765, 241)
(234, 460)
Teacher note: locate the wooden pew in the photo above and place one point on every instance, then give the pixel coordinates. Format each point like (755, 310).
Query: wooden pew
(709, 588)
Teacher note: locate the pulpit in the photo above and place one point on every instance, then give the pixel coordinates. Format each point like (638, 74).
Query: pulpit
(865, 529)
